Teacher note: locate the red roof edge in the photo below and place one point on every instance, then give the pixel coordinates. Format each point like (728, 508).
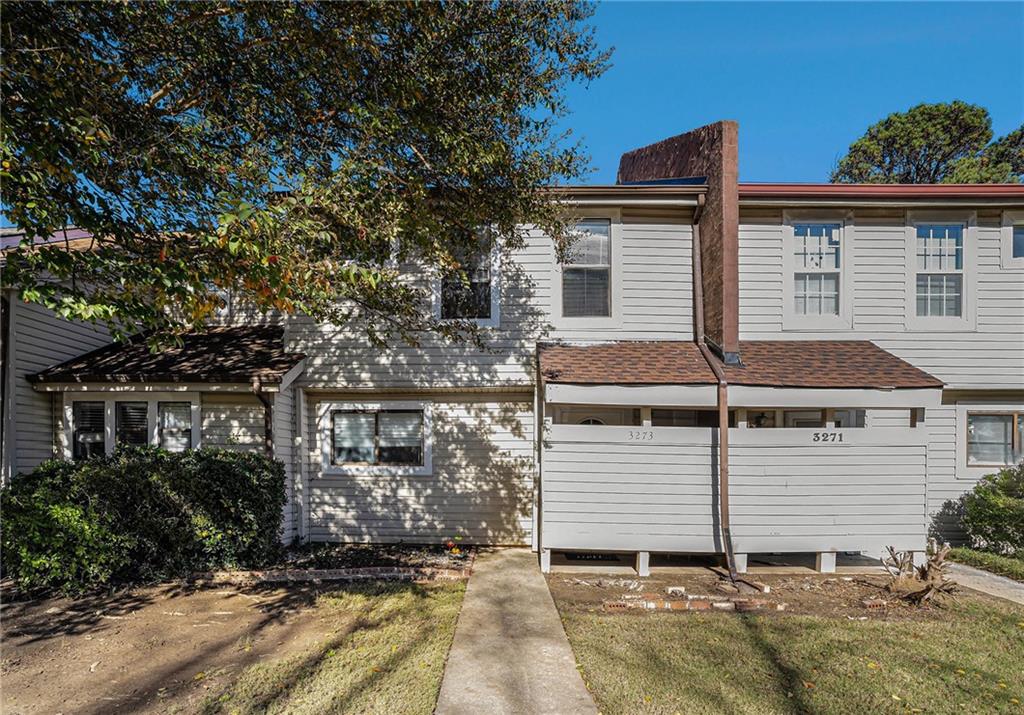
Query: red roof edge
(881, 191)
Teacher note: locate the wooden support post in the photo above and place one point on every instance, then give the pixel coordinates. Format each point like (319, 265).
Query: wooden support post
(740, 560)
(643, 563)
(545, 560)
(826, 562)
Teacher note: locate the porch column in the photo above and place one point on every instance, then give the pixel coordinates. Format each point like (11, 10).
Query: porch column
(825, 562)
(643, 563)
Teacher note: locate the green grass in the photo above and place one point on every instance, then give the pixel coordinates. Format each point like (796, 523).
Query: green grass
(1009, 566)
(970, 662)
(386, 655)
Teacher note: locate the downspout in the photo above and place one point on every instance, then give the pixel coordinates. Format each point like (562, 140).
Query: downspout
(268, 417)
(723, 392)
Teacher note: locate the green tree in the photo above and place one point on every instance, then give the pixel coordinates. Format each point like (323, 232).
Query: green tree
(286, 152)
(934, 144)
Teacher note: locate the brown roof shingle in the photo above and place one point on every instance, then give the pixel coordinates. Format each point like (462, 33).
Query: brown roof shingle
(858, 364)
(236, 354)
(658, 362)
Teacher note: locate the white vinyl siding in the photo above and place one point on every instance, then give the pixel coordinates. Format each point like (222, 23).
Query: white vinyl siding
(655, 302)
(480, 486)
(986, 355)
(233, 422)
(41, 339)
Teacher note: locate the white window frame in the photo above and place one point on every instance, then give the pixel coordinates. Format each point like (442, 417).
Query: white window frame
(614, 319)
(791, 320)
(109, 400)
(966, 319)
(963, 470)
(1009, 263)
(324, 411)
(496, 270)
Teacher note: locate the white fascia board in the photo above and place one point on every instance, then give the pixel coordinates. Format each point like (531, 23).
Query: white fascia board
(633, 395)
(748, 396)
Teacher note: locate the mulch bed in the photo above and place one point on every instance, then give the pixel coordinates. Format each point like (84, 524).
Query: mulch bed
(856, 597)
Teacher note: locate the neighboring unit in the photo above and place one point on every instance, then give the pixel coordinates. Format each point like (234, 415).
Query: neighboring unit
(715, 368)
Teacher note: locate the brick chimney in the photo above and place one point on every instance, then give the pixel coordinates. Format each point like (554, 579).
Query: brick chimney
(710, 152)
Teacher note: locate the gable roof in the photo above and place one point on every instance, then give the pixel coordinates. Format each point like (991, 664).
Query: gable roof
(236, 354)
(812, 364)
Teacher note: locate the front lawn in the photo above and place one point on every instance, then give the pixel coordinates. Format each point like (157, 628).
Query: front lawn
(386, 655)
(968, 657)
(1009, 566)
(296, 648)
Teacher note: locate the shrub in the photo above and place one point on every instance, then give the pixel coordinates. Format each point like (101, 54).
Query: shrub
(993, 512)
(139, 515)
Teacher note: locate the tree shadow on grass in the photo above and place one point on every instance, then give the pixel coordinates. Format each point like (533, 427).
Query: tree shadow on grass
(323, 679)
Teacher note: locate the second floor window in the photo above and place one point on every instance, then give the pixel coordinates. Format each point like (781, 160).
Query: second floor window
(940, 270)
(586, 273)
(817, 261)
(468, 295)
(1017, 241)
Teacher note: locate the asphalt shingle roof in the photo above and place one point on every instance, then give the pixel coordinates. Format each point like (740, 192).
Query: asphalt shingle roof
(236, 354)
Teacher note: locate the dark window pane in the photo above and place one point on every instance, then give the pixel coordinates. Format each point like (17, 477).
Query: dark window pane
(585, 292)
(88, 439)
(1018, 242)
(131, 423)
(460, 299)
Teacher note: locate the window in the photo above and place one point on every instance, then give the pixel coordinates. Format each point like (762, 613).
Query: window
(376, 438)
(586, 275)
(688, 418)
(994, 439)
(131, 423)
(848, 418)
(761, 419)
(473, 292)
(175, 421)
(88, 437)
(163, 419)
(940, 270)
(817, 261)
(1012, 240)
(591, 421)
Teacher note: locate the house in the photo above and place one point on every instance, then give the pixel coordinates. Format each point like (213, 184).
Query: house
(717, 368)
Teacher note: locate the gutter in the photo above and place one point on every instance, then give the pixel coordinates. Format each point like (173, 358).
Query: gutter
(723, 395)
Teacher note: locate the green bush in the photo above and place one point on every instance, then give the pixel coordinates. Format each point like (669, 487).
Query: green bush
(139, 515)
(993, 512)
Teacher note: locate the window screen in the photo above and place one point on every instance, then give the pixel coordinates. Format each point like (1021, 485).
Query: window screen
(88, 437)
(468, 295)
(818, 258)
(940, 263)
(586, 275)
(131, 420)
(175, 419)
(991, 439)
(377, 437)
(1017, 247)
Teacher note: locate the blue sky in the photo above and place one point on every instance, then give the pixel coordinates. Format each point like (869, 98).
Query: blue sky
(802, 79)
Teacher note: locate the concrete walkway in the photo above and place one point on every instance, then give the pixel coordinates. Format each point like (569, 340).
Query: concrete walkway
(990, 583)
(510, 654)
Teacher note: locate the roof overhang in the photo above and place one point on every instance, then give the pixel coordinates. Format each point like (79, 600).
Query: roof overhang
(894, 195)
(632, 395)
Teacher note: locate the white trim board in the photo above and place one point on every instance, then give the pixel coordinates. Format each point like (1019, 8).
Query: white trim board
(633, 395)
(750, 396)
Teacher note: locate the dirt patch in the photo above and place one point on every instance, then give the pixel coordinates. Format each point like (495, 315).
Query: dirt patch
(858, 596)
(157, 649)
(346, 556)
